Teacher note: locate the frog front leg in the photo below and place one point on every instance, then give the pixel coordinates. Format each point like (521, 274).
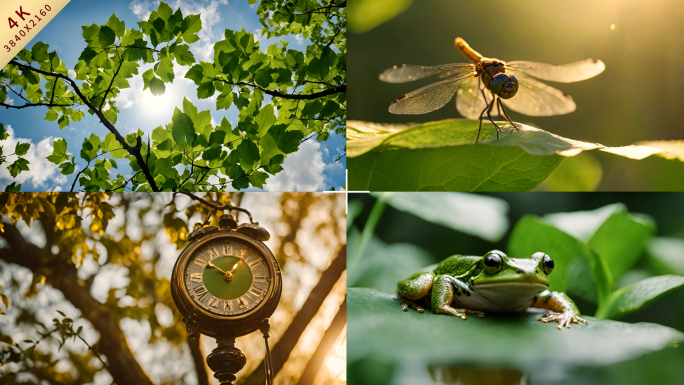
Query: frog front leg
(414, 288)
(566, 311)
(443, 295)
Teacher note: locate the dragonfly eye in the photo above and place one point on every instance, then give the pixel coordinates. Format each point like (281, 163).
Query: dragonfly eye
(505, 86)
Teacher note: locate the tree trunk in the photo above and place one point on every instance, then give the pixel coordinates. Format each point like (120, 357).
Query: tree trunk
(281, 351)
(122, 365)
(329, 338)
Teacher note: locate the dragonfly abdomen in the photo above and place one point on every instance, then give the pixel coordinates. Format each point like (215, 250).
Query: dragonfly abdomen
(467, 51)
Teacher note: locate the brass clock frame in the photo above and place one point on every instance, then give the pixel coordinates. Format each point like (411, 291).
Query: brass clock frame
(209, 323)
(226, 360)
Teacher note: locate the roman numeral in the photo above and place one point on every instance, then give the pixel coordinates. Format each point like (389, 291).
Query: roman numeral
(259, 277)
(213, 302)
(256, 291)
(212, 253)
(243, 305)
(201, 292)
(227, 305)
(255, 265)
(201, 262)
(241, 253)
(196, 277)
(228, 249)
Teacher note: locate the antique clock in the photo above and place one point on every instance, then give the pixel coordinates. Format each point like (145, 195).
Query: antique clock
(226, 283)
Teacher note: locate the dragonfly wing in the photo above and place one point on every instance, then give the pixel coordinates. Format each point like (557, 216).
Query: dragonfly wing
(535, 98)
(469, 99)
(428, 98)
(408, 72)
(567, 73)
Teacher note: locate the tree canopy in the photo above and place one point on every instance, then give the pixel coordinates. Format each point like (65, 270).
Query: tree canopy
(307, 93)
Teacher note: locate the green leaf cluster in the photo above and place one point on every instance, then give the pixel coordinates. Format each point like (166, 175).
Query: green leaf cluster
(307, 93)
(16, 165)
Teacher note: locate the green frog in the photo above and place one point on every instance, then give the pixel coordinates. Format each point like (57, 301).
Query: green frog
(493, 283)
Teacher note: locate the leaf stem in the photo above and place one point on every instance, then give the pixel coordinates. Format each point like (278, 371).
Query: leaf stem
(368, 231)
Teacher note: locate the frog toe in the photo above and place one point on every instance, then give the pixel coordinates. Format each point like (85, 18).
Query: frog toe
(563, 319)
(406, 303)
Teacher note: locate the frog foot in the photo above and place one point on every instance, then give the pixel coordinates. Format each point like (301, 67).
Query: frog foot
(563, 319)
(406, 303)
(458, 312)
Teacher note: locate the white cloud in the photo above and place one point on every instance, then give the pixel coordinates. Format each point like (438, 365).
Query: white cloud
(41, 170)
(141, 8)
(302, 171)
(299, 38)
(9, 101)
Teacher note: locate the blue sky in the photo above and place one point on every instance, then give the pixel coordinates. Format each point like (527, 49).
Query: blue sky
(309, 169)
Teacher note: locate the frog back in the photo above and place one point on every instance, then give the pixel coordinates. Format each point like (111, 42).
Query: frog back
(459, 266)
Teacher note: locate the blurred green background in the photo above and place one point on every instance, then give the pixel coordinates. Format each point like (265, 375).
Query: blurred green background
(482, 222)
(635, 99)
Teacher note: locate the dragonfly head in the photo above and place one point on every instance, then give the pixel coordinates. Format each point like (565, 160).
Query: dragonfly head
(504, 85)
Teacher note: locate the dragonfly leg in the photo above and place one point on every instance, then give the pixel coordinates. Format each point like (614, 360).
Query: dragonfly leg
(480, 126)
(505, 115)
(489, 114)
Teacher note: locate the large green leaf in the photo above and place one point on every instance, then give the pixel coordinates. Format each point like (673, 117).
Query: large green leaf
(665, 255)
(443, 155)
(621, 240)
(578, 270)
(379, 329)
(631, 298)
(477, 215)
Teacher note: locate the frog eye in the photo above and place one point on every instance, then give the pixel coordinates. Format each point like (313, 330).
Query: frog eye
(547, 264)
(493, 262)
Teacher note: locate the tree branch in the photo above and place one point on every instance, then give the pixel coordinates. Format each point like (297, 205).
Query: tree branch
(276, 94)
(35, 105)
(335, 35)
(131, 150)
(124, 368)
(198, 360)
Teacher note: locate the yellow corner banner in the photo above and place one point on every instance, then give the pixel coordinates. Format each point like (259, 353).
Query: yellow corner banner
(20, 21)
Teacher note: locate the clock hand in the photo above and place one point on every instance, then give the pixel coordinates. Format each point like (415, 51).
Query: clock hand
(215, 267)
(229, 274)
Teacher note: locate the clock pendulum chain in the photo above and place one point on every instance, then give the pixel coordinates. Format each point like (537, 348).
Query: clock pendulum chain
(268, 364)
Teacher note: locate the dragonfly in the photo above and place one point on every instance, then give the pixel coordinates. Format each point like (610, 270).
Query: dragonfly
(486, 83)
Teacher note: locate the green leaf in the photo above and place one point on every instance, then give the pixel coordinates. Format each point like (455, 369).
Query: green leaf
(287, 141)
(206, 89)
(665, 255)
(183, 130)
(182, 54)
(21, 148)
(481, 216)
(106, 36)
(190, 26)
(157, 86)
(248, 153)
(40, 51)
(575, 264)
(87, 55)
(195, 74)
(631, 298)
(520, 341)
(530, 155)
(68, 168)
(164, 69)
(3, 133)
(365, 15)
(224, 100)
(18, 166)
(621, 240)
(257, 179)
(13, 187)
(265, 119)
(118, 26)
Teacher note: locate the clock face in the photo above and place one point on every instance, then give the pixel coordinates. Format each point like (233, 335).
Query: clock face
(227, 276)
